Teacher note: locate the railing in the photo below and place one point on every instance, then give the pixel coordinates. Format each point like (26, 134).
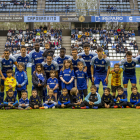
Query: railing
(71, 12)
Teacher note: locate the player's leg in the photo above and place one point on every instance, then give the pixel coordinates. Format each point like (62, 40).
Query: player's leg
(97, 82)
(103, 82)
(19, 94)
(44, 94)
(15, 93)
(133, 81)
(85, 92)
(125, 84)
(55, 95)
(131, 105)
(60, 88)
(113, 88)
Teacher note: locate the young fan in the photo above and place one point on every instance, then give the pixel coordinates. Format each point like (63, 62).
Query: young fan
(39, 80)
(81, 79)
(67, 76)
(107, 99)
(93, 99)
(134, 99)
(64, 99)
(10, 81)
(50, 100)
(52, 83)
(116, 78)
(121, 99)
(34, 102)
(10, 101)
(76, 98)
(24, 102)
(21, 79)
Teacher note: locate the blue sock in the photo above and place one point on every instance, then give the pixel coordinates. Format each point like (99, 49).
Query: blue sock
(51, 105)
(2, 96)
(87, 107)
(95, 107)
(58, 95)
(125, 91)
(44, 94)
(15, 94)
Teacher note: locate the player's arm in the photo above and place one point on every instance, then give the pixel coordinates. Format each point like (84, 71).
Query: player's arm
(85, 67)
(2, 76)
(92, 71)
(14, 83)
(108, 71)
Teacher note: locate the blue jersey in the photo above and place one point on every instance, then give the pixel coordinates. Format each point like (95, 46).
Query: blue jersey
(47, 68)
(7, 64)
(24, 60)
(64, 99)
(52, 83)
(74, 63)
(87, 59)
(36, 57)
(128, 68)
(101, 66)
(81, 77)
(26, 102)
(11, 100)
(67, 74)
(60, 61)
(21, 78)
(76, 98)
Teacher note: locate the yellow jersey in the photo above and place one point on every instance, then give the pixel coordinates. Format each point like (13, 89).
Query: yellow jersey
(116, 77)
(10, 81)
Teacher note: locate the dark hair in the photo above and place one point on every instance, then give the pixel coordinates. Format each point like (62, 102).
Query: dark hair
(80, 62)
(10, 90)
(34, 90)
(23, 47)
(39, 64)
(37, 44)
(128, 53)
(120, 88)
(74, 49)
(86, 45)
(116, 64)
(50, 55)
(6, 50)
(9, 71)
(52, 71)
(23, 91)
(64, 89)
(134, 87)
(108, 89)
(93, 86)
(62, 49)
(99, 49)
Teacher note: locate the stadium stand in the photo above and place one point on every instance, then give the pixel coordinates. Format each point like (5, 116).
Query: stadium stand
(60, 6)
(18, 6)
(114, 42)
(17, 38)
(115, 6)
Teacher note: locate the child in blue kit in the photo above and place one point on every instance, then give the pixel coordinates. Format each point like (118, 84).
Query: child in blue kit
(52, 83)
(21, 79)
(81, 79)
(67, 76)
(23, 102)
(50, 100)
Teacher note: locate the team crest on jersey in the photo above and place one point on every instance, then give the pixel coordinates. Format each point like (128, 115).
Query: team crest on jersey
(25, 59)
(59, 61)
(12, 79)
(55, 81)
(22, 75)
(69, 71)
(19, 59)
(96, 62)
(90, 57)
(52, 67)
(3, 62)
(10, 62)
(82, 74)
(132, 64)
(102, 62)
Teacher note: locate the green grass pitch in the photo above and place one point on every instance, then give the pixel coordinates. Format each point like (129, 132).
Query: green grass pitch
(71, 124)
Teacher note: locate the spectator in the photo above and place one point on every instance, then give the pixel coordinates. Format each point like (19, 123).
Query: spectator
(104, 30)
(108, 9)
(108, 40)
(113, 47)
(129, 33)
(97, 31)
(17, 31)
(45, 27)
(87, 33)
(123, 40)
(111, 9)
(1, 5)
(122, 50)
(24, 5)
(94, 40)
(94, 31)
(118, 30)
(116, 39)
(135, 47)
(133, 34)
(119, 36)
(101, 31)
(34, 2)
(115, 9)
(9, 34)
(122, 30)
(22, 2)
(20, 31)
(127, 37)
(125, 49)
(67, 8)
(131, 43)
(117, 50)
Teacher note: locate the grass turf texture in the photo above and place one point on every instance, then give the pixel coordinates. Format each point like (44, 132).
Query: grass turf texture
(71, 124)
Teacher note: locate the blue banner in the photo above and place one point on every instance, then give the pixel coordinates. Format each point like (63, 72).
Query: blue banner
(41, 19)
(115, 19)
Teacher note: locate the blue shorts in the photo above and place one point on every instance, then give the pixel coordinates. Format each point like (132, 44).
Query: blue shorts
(133, 80)
(2, 81)
(98, 79)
